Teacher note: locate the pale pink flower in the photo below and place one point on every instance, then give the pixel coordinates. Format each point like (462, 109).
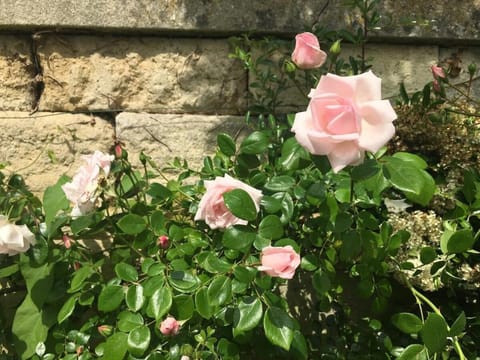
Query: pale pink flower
(14, 239)
(345, 117)
(212, 207)
(279, 261)
(81, 190)
(307, 53)
(170, 326)
(438, 72)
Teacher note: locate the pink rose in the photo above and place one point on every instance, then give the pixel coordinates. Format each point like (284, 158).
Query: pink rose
(307, 53)
(212, 208)
(345, 117)
(438, 72)
(163, 241)
(81, 190)
(14, 239)
(279, 261)
(170, 326)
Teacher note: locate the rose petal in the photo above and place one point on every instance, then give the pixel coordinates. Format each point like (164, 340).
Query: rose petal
(373, 137)
(345, 153)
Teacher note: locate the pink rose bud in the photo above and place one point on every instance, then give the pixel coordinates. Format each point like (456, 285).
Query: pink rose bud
(307, 53)
(170, 326)
(118, 151)
(163, 241)
(436, 86)
(279, 261)
(67, 242)
(212, 208)
(346, 116)
(438, 72)
(104, 330)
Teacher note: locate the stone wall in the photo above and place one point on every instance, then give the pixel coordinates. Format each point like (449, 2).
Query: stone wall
(156, 74)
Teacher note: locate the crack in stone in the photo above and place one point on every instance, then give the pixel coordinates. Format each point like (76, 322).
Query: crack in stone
(38, 85)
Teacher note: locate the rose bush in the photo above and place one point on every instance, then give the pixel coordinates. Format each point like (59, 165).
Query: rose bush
(345, 118)
(295, 259)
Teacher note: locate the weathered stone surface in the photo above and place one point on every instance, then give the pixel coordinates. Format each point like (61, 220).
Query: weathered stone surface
(407, 19)
(164, 137)
(16, 73)
(140, 74)
(43, 146)
(394, 64)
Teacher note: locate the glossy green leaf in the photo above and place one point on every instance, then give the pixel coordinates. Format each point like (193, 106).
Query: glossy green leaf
(299, 347)
(414, 159)
(157, 221)
(293, 155)
(280, 183)
(460, 241)
(220, 290)
(214, 264)
(160, 302)
(255, 143)
(115, 347)
(110, 298)
(158, 191)
(202, 303)
(271, 227)
(407, 322)
(9, 270)
(182, 307)
(67, 309)
(247, 315)
(184, 281)
(238, 237)
(126, 272)
(135, 297)
(458, 325)
(226, 144)
(413, 352)
(240, 203)
(434, 333)
(138, 340)
(54, 200)
(132, 224)
(279, 327)
(127, 321)
(428, 255)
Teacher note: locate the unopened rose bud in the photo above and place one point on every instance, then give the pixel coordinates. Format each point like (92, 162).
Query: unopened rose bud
(163, 241)
(143, 158)
(79, 350)
(67, 242)
(289, 66)
(436, 86)
(170, 326)
(335, 48)
(105, 330)
(438, 72)
(472, 69)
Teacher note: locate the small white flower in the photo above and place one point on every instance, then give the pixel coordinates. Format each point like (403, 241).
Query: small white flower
(396, 206)
(14, 239)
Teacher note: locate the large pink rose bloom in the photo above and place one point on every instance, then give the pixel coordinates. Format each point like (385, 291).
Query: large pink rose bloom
(81, 190)
(345, 117)
(307, 53)
(279, 261)
(212, 208)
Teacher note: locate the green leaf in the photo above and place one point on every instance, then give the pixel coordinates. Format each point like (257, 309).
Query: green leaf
(280, 183)
(127, 321)
(271, 227)
(183, 281)
(460, 241)
(415, 159)
(279, 327)
(240, 203)
(116, 347)
(238, 237)
(183, 307)
(417, 184)
(407, 322)
(202, 303)
(293, 154)
(160, 303)
(227, 349)
(321, 282)
(110, 298)
(126, 272)
(135, 297)
(245, 274)
(428, 255)
(434, 333)
(79, 278)
(54, 200)
(138, 340)
(220, 290)
(256, 143)
(157, 221)
(226, 144)
(299, 346)
(413, 352)
(214, 264)
(247, 315)
(9, 270)
(67, 309)
(159, 192)
(365, 170)
(132, 224)
(458, 325)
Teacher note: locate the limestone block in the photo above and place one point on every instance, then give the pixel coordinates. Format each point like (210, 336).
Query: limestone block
(16, 73)
(392, 63)
(164, 137)
(140, 74)
(43, 146)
